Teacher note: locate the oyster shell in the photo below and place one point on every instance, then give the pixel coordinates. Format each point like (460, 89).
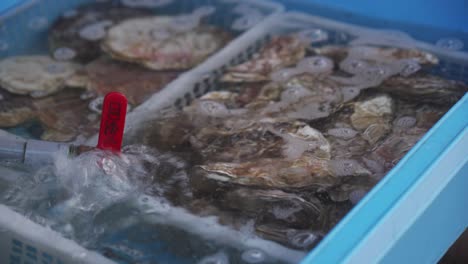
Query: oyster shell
(37, 76)
(81, 31)
(156, 44)
(425, 88)
(376, 54)
(281, 51)
(137, 83)
(15, 109)
(274, 205)
(271, 140)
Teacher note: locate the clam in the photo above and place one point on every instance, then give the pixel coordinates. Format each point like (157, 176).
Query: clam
(77, 35)
(280, 52)
(425, 88)
(137, 83)
(36, 76)
(154, 43)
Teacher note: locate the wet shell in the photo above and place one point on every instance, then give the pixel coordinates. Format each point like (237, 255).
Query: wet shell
(280, 52)
(377, 110)
(380, 54)
(137, 83)
(15, 109)
(274, 205)
(37, 76)
(154, 43)
(425, 88)
(82, 30)
(273, 173)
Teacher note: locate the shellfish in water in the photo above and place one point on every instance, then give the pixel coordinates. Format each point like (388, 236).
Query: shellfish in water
(425, 88)
(280, 52)
(155, 44)
(36, 76)
(137, 83)
(77, 35)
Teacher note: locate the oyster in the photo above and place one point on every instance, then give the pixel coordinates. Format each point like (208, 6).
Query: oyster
(15, 109)
(37, 76)
(425, 88)
(137, 83)
(155, 43)
(412, 121)
(63, 115)
(376, 54)
(274, 205)
(280, 52)
(287, 140)
(77, 35)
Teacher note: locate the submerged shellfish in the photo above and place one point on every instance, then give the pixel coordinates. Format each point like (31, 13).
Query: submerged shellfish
(425, 88)
(37, 76)
(137, 83)
(156, 44)
(76, 36)
(281, 51)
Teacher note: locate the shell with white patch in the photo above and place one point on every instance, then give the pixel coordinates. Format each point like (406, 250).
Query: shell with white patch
(37, 75)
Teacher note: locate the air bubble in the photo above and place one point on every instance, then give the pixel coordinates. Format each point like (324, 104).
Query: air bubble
(316, 64)
(218, 258)
(96, 105)
(64, 53)
(108, 166)
(353, 66)
(38, 23)
(146, 3)
(304, 239)
(405, 122)
(313, 35)
(344, 133)
(253, 256)
(213, 108)
(95, 31)
(356, 196)
(450, 44)
(37, 94)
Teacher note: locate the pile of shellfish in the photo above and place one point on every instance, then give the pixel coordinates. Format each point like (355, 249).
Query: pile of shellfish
(297, 135)
(95, 49)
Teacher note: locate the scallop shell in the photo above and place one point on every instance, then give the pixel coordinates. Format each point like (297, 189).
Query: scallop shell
(154, 43)
(280, 52)
(37, 76)
(87, 20)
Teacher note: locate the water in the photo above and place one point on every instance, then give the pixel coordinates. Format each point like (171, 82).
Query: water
(120, 207)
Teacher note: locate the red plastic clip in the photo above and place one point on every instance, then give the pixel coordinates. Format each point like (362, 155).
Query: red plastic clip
(114, 110)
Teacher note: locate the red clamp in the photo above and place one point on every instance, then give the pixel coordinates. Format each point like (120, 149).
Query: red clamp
(114, 110)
